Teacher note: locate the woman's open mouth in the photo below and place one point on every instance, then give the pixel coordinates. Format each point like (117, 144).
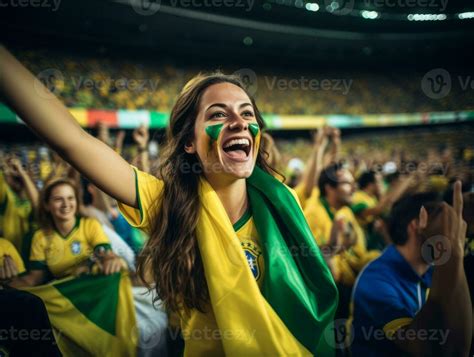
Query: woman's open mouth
(237, 149)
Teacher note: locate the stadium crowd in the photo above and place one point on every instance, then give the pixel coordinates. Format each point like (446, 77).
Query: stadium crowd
(109, 83)
(389, 218)
(356, 205)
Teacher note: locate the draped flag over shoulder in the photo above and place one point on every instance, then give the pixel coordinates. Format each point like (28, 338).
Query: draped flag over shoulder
(91, 315)
(298, 299)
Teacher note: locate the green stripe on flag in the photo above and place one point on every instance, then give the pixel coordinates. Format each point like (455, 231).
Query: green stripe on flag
(98, 305)
(294, 267)
(6, 115)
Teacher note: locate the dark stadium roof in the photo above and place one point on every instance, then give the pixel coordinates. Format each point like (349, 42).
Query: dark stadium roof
(287, 32)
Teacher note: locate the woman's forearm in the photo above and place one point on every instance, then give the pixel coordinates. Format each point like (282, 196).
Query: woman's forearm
(36, 106)
(51, 120)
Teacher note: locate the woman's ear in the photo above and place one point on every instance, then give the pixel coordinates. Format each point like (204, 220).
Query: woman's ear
(190, 148)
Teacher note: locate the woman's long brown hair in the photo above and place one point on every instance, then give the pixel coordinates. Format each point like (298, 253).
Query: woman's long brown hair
(172, 255)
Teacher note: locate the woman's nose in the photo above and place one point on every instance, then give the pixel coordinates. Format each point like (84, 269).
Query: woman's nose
(238, 123)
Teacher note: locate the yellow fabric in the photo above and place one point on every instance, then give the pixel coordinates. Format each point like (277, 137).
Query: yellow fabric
(63, 254)
(7, 248)
(249, 240)
(222, 329)
(76, 335)
(15, 215)
(391, 327)
(350, 262)
(371, 202)
(299, 190)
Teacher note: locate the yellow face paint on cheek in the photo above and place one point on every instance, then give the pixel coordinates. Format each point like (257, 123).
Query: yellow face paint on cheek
(256, 133)
(214, 131)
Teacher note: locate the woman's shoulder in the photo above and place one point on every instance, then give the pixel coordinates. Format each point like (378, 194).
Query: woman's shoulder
(88, 222)
(147, 179)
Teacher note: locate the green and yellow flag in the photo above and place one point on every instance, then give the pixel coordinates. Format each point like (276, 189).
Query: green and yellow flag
(91, 315)
(298, 298)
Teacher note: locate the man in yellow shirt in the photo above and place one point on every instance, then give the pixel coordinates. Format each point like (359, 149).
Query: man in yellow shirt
(337, 231)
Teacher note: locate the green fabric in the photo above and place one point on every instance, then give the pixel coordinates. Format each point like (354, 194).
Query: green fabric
(297, 282)
(242, 220)
(359, 207)
(214, 130)
(98, 305)
(326, 206)
(138, 195)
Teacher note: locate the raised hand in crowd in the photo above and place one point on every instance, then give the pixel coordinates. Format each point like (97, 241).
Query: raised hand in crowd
(141, 137)
(15, 169)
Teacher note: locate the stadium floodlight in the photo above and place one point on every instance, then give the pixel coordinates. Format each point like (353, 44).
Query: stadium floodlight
(369, 14)
(466, 15)
(312, 6)
(426, 17)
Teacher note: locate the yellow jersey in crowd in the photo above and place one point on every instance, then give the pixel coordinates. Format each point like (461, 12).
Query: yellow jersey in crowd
(361, 201)
(61, 254)
(348, 263)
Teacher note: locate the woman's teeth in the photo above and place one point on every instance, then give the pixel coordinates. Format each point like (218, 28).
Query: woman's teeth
(237, 142)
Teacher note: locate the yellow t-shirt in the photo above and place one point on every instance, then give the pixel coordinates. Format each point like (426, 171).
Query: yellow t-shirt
(149, 191)
(60, 255)
(361, 201)
(299, 190)
(348, 263)
(6, 248)
(16, 217)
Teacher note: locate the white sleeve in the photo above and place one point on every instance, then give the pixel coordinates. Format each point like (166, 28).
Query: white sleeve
(120, 248)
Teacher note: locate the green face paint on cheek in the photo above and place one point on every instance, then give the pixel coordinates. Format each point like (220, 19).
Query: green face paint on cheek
(214, 130)
(254, 129)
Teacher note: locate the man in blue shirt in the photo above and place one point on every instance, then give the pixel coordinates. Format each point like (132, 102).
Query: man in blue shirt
(401, 303)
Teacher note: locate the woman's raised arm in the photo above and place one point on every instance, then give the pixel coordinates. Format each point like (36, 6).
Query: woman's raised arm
(51, 120)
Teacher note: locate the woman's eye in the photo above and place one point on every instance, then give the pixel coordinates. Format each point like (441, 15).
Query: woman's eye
(248, 113)
(217, 115)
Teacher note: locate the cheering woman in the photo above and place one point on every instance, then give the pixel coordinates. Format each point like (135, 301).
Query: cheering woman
(229, 251)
